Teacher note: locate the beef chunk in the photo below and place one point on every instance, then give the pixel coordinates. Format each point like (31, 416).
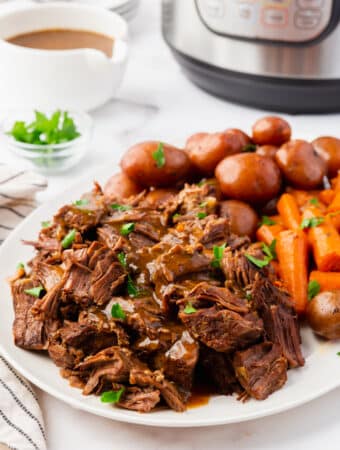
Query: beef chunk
(280, 320)
(261, 369)
(215, 232)
(28, 331)
(169, 391)
(110, 237)
(180, 361)
(111, 365)
(222, 329)
(139, 399)
(178, 262)
(218, 371)
(48, 275)
(71, 343)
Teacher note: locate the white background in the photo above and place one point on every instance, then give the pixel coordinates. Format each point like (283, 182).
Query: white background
(156, 101)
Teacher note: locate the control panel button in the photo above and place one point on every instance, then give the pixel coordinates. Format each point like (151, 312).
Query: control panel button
(247, 12)
(310, 3)
(307, 18)
(275, 16)
(214, 8)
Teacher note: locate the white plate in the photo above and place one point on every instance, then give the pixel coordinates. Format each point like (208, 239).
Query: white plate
(320, 374)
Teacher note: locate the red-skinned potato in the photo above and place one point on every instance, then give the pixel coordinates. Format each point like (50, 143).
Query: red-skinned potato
(271, 130)
(120, 186)
(249, 177)
(329, 149)
(242, 217)
(301, 166)
(155, 164)
(206, 150)
(323, 314)
(267, 150)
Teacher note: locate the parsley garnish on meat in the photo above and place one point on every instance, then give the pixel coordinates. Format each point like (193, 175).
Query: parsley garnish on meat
(45, 223)
(268, 250)
(117, 312)
(81, 202)
(118, 207)
(338, 353)
(35, 292)
(175, 216)
(313, 289)
(203, 204)
(201, 215)
(112, 396)
(159, 156)
(20, 266)
(44, 130)
(311, 222)
(218, 251)
(127, 228)
(265, 220)
(122, 259)
(68, 239)
(133, 291)
(189, 309)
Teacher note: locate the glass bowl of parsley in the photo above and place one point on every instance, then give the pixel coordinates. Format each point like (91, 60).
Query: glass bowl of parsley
(50, 142)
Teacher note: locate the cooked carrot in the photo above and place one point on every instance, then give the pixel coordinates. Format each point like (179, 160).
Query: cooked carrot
(302, 197)
(277, 219)
(289, 211)
(326, 196)
(335, 205)
(328, 281)
(335, 182)
(325, 241)
(292, 253)
(335, 220)
(267, 233)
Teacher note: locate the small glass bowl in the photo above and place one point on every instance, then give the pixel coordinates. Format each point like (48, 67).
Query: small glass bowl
(52, 158)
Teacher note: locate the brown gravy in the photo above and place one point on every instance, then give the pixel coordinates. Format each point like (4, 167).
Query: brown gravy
(200, 396)
(60, 39)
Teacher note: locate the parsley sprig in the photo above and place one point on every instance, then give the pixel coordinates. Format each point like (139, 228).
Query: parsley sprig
(218, 251)
(112, 396)
(270, 254)
(311, 222)
(159, 156)
(313, 289)
(189, 308)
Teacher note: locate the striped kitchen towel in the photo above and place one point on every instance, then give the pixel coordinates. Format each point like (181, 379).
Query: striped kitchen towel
(21, 422)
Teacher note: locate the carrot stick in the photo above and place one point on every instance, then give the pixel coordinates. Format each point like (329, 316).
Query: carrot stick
(326, 196)
(267, 233)
(289, 211)
(292, 253)
(328, 281)
(325, 241)
(335, 182)
(301, 197)
(335, 205)
(335, 220)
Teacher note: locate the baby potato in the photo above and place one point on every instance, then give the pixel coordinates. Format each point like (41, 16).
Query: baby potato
(323, 314)
(206, 150)
(243, 218)
(329, 149)
(267, 150)
(155, 164)
(120, 186)
(249, 177)
(271, 130)
(301, 166)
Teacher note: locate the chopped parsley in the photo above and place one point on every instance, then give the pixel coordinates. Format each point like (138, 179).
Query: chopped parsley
(118, 207)
(311, 222)
(81, 202)
(249, 148)
(313, 289)
(112, 396)
(176, 215)
(218, 251)
(159, 156)
(117, 312)
(265, 220)
(338, 353)
(314, 201)
(248, 296)
(35, 292)
(270, 250)
(189, 309)
(20, 266)
(122, 259)
(45, 223)
(258, 262)
(270, 254)
(127, 228)
(44, 130)
(203, 204)
(68, 239)
(133, 290)
(201, 215)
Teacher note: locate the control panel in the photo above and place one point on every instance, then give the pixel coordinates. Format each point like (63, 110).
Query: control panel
(274, 20)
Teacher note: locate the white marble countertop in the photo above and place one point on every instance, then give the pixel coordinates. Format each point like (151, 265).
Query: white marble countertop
(156, 101)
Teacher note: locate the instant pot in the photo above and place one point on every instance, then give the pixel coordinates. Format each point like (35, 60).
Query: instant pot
(280, 55)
